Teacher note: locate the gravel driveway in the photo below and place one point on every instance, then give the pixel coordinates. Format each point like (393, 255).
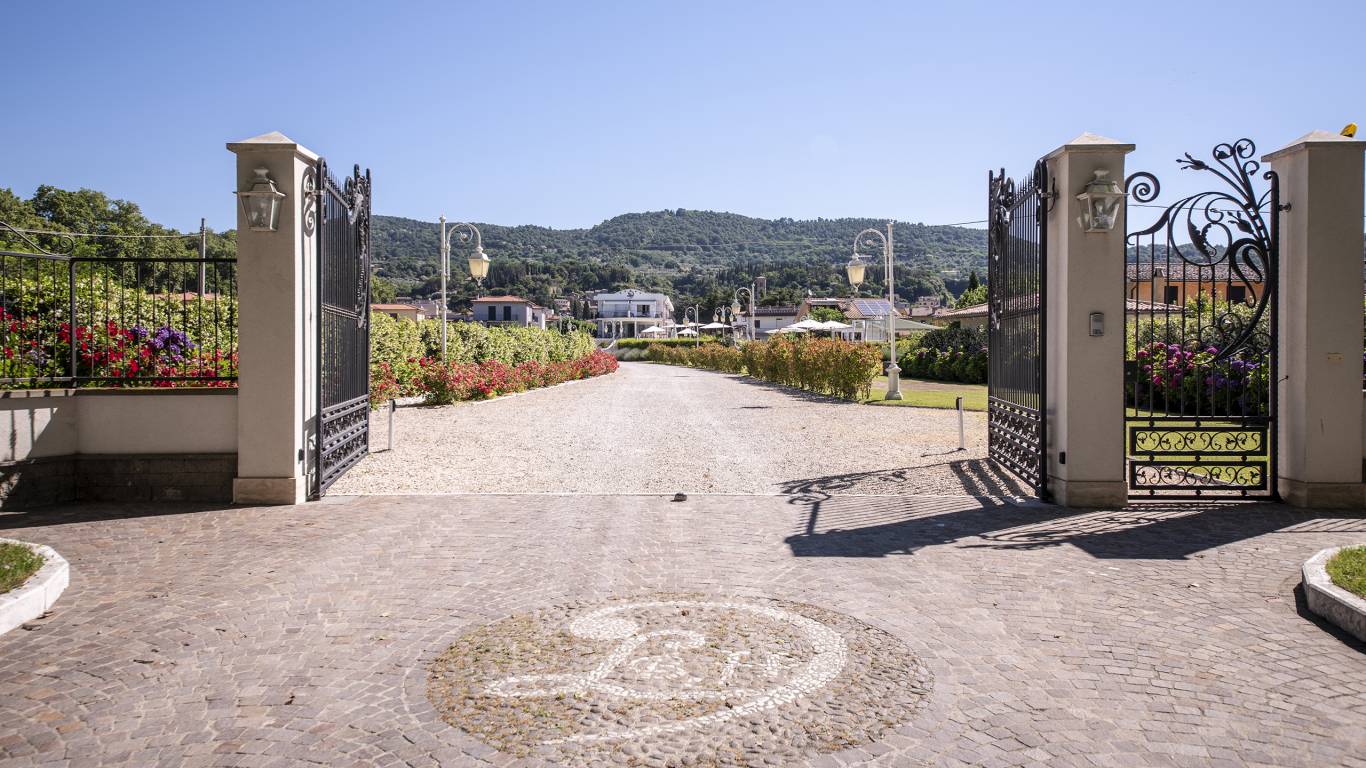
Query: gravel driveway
(659, 429)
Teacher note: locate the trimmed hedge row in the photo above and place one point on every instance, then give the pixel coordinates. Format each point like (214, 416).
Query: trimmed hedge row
(645, 343)
(966, 366)
(825, 366)
(399, 347)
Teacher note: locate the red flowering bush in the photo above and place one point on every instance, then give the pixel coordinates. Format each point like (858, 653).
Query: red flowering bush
(109, 353)
(827, 366)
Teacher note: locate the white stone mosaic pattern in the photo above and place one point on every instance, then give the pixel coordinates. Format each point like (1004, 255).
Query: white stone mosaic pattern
(650, 681)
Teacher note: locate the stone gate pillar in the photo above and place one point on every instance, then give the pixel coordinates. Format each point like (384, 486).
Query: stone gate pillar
(1320, 285)
(276, 308)
(1085, 373)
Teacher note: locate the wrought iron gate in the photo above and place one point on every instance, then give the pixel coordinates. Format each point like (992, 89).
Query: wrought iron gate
(1016, 283)
(343, 232)
(1200, 333)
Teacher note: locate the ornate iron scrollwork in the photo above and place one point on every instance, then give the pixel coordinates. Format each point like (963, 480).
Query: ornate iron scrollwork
(65, 247)
(1225, 227)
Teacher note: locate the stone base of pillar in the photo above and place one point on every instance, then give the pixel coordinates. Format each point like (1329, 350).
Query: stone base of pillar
(269, 490)
(1298, 493)
(1089, 494)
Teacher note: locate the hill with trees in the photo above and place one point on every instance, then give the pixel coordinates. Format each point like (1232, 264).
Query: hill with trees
(694, 256)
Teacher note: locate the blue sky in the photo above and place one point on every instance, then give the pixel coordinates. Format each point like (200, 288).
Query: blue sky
(566, 113)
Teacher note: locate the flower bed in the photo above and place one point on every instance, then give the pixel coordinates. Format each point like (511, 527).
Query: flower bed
(1184, 378)
(826, 366)
(32, 351)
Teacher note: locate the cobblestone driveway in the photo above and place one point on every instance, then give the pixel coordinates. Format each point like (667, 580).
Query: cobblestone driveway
(660, 429)
(303, 635)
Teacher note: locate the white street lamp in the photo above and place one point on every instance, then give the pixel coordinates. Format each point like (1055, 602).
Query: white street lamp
(855, 269)
(695, 311)
(479, 264)
(749, 317)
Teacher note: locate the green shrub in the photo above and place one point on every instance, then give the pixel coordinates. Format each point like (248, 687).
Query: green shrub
(826, 366)
(398, 347)
(645, 343)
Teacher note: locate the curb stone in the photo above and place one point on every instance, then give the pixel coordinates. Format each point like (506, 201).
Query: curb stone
(35, 596)
(1330, 601)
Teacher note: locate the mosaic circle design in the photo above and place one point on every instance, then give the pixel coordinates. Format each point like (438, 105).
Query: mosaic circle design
(669, 680)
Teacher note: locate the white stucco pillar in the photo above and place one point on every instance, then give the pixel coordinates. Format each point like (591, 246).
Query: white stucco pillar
(275, 273)
(1085, 375)
(1320, 285)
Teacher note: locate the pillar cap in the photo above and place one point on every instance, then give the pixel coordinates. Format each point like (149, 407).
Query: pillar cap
(272, 142)
(1315, 139)
(1091, 142)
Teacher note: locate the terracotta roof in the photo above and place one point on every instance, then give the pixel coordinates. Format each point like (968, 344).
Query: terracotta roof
(394, 307)
(774, 311)
(501, 300)
(1181, 270)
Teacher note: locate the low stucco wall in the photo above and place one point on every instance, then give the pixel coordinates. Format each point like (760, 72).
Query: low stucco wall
(64, 445)
(61, 422)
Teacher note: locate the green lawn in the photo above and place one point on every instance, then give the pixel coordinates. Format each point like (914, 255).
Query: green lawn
(1347, 569)
(17, 563)
(920, 393)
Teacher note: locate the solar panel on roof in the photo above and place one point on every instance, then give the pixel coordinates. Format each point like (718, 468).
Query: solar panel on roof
(871, 307)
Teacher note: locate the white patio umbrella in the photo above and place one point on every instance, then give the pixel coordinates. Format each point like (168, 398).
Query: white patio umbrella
(653, 329)
(715, 327)
(687, 332)
(809, 325)
(835, 325)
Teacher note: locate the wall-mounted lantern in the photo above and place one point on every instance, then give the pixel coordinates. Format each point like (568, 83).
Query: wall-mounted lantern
(261, 203)
(1100, 203)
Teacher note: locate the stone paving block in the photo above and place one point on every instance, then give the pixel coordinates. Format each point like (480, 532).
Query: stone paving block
(302, 635)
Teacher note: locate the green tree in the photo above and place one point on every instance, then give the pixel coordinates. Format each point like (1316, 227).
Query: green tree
(972, 297)
(382, 291)
(973, 282)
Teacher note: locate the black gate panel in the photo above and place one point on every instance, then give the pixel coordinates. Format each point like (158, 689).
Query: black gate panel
(1200, 333)
(1016, 291)
(343, 324)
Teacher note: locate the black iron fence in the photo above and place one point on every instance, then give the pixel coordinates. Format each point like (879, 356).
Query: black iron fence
(126, 321)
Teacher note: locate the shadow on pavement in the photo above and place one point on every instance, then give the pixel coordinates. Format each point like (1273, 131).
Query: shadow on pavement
(92, 512)
(891, 512)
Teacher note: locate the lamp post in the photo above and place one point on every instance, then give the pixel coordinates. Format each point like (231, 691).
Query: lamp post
(694, 311)
(749, 317)
(479, 265)
(855, 269)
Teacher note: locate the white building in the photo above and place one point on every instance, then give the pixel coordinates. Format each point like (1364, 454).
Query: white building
(508, 310)
(769, 319)
(624, 314)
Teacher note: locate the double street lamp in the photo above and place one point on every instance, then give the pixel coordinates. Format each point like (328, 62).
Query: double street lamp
(855, 269)
(479, 264)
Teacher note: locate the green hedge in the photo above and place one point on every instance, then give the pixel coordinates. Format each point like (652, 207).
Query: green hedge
(397, 347)
(645, 343)
(968, 366)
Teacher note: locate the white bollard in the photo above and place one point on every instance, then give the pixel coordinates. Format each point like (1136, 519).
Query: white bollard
(962, 446)
(393, 406)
